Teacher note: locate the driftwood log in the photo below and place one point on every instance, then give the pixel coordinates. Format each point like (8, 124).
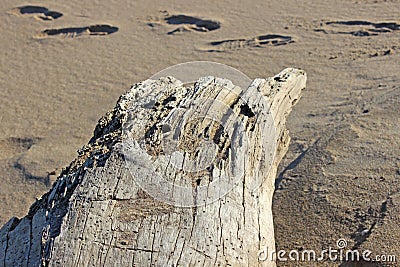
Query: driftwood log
(175, 175)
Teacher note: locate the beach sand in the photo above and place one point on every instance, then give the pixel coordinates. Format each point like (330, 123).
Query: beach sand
(63, 64)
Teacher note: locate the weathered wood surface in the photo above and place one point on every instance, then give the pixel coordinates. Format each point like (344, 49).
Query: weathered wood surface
(105, 209)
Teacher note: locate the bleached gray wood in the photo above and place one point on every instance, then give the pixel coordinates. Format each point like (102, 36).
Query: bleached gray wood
(97, 214)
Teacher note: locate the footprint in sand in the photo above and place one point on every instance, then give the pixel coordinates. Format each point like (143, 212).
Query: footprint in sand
(14, 146)
(16, 151)
(44, 13)
(99, 29)
(183, 23)
(255, 42)
(358, 28)
(38, 12)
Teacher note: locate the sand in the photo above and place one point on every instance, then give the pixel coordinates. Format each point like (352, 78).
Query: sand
(64, 64)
